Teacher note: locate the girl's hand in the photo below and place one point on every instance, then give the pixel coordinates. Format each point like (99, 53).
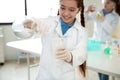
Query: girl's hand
(37, 25)
(41, 27)
(91, 8)
(64, 54)
(28, 23)
(100, 17)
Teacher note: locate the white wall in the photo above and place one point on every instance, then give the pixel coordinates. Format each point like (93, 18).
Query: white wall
(9, 53)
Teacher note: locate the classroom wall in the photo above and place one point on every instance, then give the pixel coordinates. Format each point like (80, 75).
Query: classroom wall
(9, 53)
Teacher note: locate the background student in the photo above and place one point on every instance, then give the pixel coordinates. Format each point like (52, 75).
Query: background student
(105, 23)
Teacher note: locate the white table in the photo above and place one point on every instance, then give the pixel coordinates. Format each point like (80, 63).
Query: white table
(97, 60)
(27, 45)
(103, 63)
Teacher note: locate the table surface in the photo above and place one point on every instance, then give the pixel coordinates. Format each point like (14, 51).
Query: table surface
(107, 64)
(28, 45)
(97, 60)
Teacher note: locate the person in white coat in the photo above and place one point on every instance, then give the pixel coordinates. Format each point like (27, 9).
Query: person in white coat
(64, 43)
(106, 20)
(105, 23)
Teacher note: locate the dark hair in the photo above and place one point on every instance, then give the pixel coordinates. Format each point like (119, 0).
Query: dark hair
(82, 69)
(80, 4)
(117, 8)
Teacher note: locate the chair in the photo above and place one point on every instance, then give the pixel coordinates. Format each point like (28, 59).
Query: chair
(23, 55)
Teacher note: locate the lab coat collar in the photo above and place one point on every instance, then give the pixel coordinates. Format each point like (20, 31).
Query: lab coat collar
(58, 30)
(113, 12)
(58, 27)
(77, 24)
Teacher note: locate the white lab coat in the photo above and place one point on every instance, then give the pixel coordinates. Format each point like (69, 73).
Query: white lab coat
(103, 29)
(75, 41)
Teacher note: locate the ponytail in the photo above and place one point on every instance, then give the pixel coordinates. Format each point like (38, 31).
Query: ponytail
(80, 4)
(58, 13)
(82, 68)
(82, 17)
(117, 8)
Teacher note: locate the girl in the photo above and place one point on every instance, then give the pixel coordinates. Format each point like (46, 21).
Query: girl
(105, 23)
(66, 62)
(105, 20)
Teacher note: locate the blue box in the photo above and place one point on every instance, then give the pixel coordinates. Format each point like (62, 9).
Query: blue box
(93, 45)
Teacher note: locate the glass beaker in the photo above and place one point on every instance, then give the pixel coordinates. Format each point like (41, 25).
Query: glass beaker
(57, 43)
(107, 49)
(19, 28)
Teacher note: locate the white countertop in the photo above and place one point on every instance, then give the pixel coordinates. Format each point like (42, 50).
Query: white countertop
(100, 62)
(97, 60)
(29, 45)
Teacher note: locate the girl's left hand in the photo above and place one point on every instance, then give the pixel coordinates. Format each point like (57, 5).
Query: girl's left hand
(64, 54)
(100, 17)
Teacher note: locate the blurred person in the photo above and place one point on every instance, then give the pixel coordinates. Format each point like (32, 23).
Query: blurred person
(105, 23)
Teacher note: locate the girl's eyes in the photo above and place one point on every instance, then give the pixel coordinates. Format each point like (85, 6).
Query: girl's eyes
(71, 10)
(62, 8)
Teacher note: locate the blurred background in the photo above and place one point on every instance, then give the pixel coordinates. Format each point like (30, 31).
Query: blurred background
(11, 9)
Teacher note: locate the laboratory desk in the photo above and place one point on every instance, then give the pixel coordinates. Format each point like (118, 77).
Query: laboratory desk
(33, 46)
(104, 63)
(97, 60)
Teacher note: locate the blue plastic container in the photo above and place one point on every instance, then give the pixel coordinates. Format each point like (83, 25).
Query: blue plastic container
(93, 45)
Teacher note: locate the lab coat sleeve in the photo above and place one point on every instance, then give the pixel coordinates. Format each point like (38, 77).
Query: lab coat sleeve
(109, 25)
(45, 25)
(90, 16)
(79, 53)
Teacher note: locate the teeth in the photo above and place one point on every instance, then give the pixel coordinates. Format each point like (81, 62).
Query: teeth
(66, 17)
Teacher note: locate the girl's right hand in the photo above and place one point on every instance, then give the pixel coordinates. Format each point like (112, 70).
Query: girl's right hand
(91, 8)
(28, 23)
(37, 25)
(100, 16)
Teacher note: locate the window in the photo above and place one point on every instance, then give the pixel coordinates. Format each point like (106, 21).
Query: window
(42, 8)
(9, 9)
(103, 1)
